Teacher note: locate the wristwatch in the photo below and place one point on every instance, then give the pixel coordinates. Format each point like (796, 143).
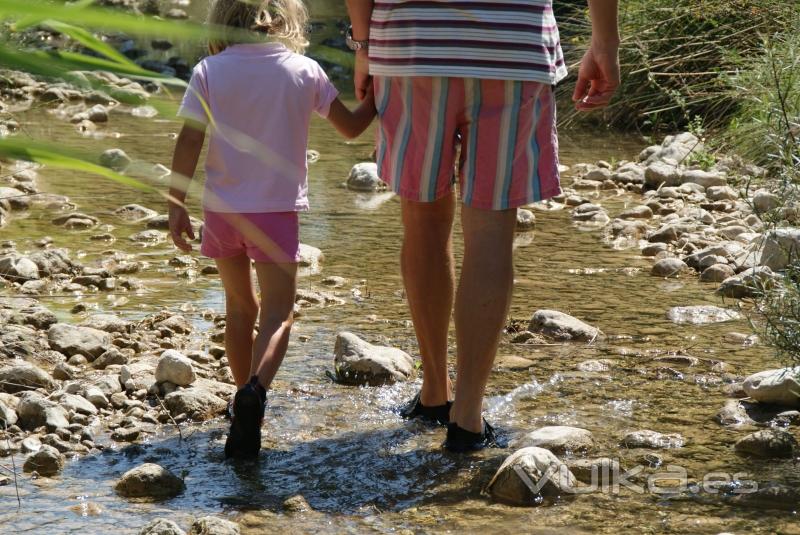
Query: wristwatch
(352, 44)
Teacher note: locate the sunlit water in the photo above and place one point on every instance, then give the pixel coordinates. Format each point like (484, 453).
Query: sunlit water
(358, 465)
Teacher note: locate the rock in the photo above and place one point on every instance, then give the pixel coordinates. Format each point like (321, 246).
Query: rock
(211, 525)
(21, 377)
(195, 402)
(48, 461)
(560, 326)
(769, 443)
(780, 386)
(126, 434)
(668, 267)
(637, 212)
(177, 324)
(296, 504)
(8, 416)
(364, 177)
(771, 496)
(721, 193)
(707, 179)
(53, 262)
(359, 362)
(652, 439)
(765, 201)
(659, 174)
(148, 236)
(175, 368)
(310, 259)
(134, 213)
(654, 249)
(115, 159)
(779, 247)
(717, 273)
(36, 411)
(526, 220)
(18, 268)
(559, 439)
(521, 480)
(594, 365)
(110, 358)
(78, 404)
(161, 526)
(75, 340)
(594, 471)
(149, 481)
(733, 413)
(749, 283)
(108, 323)
(701, 314)
(590, 212)
(665, 234)
(513, 362)
(176, 13)
(673, 150)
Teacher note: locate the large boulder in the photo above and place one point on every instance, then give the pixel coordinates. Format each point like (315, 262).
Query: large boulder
(769, 443)
(529, 476)
(25, 376)
(780, 386)
(175, 368)
(34, 411)
(76, 340)
(780, 247)
(364, 177)
(212, 525)
(359, 362)
(561, 326)
(559, 439)
(149, 481)
(673, 150)
(48, 461)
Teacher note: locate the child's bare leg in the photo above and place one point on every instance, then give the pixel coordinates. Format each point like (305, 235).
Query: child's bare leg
(277, 284)
(241, 310)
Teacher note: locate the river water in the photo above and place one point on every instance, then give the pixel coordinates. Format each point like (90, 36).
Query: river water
(357, 464)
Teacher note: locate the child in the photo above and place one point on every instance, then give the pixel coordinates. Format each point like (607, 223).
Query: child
(255, 93)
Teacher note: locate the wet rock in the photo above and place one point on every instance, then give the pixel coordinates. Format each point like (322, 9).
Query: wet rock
(48, 461)
(18, 268)
(161, 526)
(96, 114)
(30, 444)
(211, 525)
(717, 273)
(115, 159)
(8, 416)
(654, 249)
(177, 324)
(78, 404)
(701, 314)
(296, 504)
(765, 201)
(780, 386)
(310, 259)
(364, 177)
(108, 323)
(652, 439)
(76, 221)
(637, 212)
(772, 496)
(148, 236)
(681, 360)
(359, 362)
(594, 471)
(149, 481)
(126, 434)
(134, 213)
(594, 366)
(668, 267)
(35, 411)
(109, 358)
(175, 368)
(561, 326)
(21, 377)
(769, 443)
(590, 213)
(76, 340)
(665, 234)
(526, 220)
(53, 262)
(749, 283)
(196, 403)
(559, 439)
(516, 480)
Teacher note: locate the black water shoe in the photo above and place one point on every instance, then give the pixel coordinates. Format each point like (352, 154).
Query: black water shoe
(460, 440)
(439, 414)
(244, 438)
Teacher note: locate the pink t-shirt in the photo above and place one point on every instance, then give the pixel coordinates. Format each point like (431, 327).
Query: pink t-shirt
(260, 97)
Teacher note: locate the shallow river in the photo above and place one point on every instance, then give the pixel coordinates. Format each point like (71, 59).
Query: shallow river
(358, 465)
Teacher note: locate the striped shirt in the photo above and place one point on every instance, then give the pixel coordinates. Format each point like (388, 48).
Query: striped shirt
(489, 39)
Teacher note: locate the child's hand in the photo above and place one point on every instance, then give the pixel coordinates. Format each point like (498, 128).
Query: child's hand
(179, 223)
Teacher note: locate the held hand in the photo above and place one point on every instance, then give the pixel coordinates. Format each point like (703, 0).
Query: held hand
(598, 78)
(361, 78)
(179, 223)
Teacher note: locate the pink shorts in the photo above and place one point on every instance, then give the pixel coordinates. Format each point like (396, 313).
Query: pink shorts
(506, 131)
(271, 237)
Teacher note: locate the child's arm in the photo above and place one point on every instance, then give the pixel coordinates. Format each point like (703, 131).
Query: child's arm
(352, 123)
(184, 163)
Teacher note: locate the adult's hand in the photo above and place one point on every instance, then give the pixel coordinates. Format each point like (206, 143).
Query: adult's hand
(598, 77)
(361, 77)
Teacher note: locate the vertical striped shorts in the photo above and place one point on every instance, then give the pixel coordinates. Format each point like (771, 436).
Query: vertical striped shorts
(503, 133)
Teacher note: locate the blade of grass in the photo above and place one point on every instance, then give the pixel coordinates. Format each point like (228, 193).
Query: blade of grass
(88, 40)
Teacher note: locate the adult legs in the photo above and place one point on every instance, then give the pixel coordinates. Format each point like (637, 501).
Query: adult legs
(241, 309)
(482, 301)
(428, 274)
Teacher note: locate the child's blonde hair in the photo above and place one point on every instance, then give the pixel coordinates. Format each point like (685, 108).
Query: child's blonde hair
(282, 20)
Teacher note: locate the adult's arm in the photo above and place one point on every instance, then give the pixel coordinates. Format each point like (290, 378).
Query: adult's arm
(598, 75)
(360, 12)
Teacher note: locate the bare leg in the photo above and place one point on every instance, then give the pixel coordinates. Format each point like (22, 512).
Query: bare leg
(277, 283)
(241, 309)
(429, 277)
(484, 294)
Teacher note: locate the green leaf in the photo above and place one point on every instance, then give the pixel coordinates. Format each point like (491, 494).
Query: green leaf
(88, 40)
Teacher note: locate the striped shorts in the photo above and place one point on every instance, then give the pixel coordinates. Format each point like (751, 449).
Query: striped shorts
(503, 133)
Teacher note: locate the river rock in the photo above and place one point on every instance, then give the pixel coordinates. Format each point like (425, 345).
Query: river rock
(359, 362)
(149, 481)
(665, 234)
(588, 212)
(654, 249)
(765, 201)
(109, 323)
(749, 283)
(161, 526)
(364, 177)
(18, 268)
(673, 150)
(668, 267)
(701, 314)
(148, 236)
(134, 213)
(769, 443)
(706, 179)
(770, 496)
(78, 404)
(721, 193)
(559, 439)
(516, 480)
(637, 212)
(53, 262)
(717, 273)
(24, 376)
(109, 358)
(176, 323)
(48, 461)
(780, 246)
(780, 386)
(561, 326)
(212, 525)
(652, 439)
(594, 471)
(175, 368)
(35, 411)
(76, 340)
(8, 416)
(659, 174)
(310, 259)
(115, 159)
(196, 403)
(526, 220)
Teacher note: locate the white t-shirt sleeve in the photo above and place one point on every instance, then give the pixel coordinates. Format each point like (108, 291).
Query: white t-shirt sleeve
(194, 105)
(325, 91)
